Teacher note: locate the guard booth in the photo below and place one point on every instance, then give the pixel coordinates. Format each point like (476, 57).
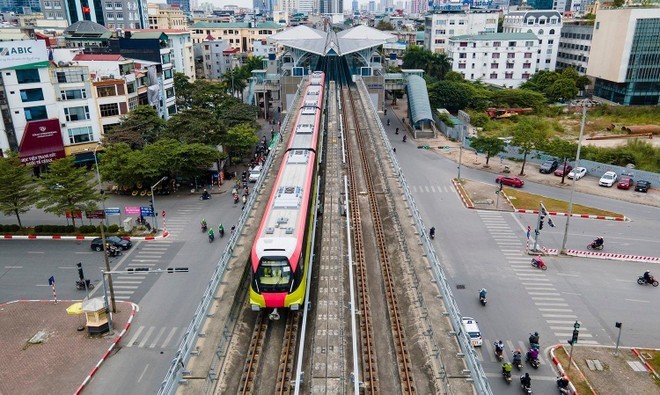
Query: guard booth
(96, 315)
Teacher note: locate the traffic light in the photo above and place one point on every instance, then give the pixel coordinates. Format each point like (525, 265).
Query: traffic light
(576, 325)
(541, 224)
(552, 224)
(618, 325)
(575, 336)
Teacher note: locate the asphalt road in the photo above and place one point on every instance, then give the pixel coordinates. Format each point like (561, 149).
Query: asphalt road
(487, 250)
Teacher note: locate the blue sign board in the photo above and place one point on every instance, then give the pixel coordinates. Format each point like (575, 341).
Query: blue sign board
(146, 211)
(112, 211)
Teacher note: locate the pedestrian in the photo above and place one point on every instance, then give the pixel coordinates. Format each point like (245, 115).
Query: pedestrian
(233, 228)
(394, 150)
(384, 111)
(279, 110)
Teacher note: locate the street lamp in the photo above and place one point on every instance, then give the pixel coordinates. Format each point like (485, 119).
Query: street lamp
(98, 178)
(153, 203)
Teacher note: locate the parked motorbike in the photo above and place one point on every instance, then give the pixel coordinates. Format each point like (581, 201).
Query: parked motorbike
(80, 284)
(642, 281)
(538, 263)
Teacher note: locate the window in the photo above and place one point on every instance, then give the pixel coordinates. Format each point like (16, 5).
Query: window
(451, 31)
(509, 65)
(551, 41)
(73, 94)
(108, 6)
(168, 74)
(462, 55)
(106, 91)
(529, 43)
(120, 16)
(171, 110)
(130, 87)
(35, 113)
(496, 44)
(508, 76)
(109, 110)
(47, 4)
(461, 22)
(443, 31)
(132, 103)
(511, 56)
(118, 6)
(73, 114)
(461, 65)
(80, 135)
(512, 43)
(166, 58)
(169, 92)
(108, 128)
(27, 76)
(496, 55)
(452, 22)
(493, 76)
(552, 31)
(110, 15)
(28, 95)
(525, 76)
(526, 65)
(494, 65)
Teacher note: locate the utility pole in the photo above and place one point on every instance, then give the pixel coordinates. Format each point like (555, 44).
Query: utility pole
(618, 338)
(107, 269)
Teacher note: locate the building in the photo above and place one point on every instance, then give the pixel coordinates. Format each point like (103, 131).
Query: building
(502, 59)
(20, 6)
(546, 25)
(213, 59)
(540, 4)
(625, 56)
(184, 5)
(239, 35)
(438, 27)
(331, 6)
(116, 14)
(575, 45)
(163, 16)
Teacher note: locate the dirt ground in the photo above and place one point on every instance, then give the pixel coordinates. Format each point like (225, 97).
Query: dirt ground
(617, 377)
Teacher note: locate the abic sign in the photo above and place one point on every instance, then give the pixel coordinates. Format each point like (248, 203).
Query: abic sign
(21, 53)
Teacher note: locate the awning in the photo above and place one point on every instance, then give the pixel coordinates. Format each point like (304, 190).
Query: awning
(84, 157)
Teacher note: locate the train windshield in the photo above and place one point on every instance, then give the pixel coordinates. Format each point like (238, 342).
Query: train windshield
(274, 275)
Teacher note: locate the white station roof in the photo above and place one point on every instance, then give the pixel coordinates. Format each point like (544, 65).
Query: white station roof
(324, 43)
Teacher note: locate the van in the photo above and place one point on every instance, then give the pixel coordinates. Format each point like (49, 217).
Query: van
(473, 331)
(254, 174)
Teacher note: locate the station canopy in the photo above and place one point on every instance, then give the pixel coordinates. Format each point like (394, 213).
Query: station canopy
(330, 43)
(418, 99)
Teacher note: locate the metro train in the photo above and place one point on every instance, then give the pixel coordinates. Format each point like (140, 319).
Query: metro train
(281, 250)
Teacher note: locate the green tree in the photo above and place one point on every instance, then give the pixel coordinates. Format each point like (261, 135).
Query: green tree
(436, 65)
(454, 76)
(385, 26)
(561, 90)
(195, 125)
(240, 140)
(141, 126)
(17, 189)
(490, 146)
(114, 165)
(518, 98)
(451, 95)
(184, 90)
(73, 192)
(253, 63)
(194, 159)
(528, 134)
(562, 149)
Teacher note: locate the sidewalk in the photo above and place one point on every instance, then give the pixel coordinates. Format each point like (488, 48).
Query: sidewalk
(62, 363)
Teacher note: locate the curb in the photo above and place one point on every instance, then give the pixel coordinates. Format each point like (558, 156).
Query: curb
(91, 374)
(79, 237)
(461, 192)
(561, 368)
(603, 217)
(646, 364)
(614, 257)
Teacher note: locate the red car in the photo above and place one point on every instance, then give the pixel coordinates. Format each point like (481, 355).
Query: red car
(560, 170)
(625, 183)
(510, 181)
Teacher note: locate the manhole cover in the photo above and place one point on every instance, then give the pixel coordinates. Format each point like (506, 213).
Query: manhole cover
(460, 286)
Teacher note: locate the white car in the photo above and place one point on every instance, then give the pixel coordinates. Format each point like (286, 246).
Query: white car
(608, 179)
(577, 173)
(254, 174)
(473, 331)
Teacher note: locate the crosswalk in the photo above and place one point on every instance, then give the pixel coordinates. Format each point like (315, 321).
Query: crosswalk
(554, 309)
(487, 351)
(149, 255)
(432, 189)
(155, 337)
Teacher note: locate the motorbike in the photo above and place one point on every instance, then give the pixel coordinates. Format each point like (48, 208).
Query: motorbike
(534, 362)
(538, 263)
(388, 122)
(397, 131)
(642, 281)
(405, 138)
(211, 238)
(533, 342)
(517, 362)
(235, 198)
(222, 232)
(80, 284)
(205, 196)
(483, 300)
(113, 251)
(507, 377)
(498, 354)
(562, 384)
(526, 389)
(594, 246)
(204, 228)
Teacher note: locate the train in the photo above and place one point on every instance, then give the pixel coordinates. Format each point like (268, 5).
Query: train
(281, 251)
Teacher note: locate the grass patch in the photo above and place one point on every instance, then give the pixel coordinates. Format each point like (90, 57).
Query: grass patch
(576, 378)
(530, 201)
(654, 362)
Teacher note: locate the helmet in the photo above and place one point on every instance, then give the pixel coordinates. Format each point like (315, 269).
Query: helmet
(536, 333)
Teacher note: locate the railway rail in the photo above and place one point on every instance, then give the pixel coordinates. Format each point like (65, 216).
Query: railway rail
(405, 371)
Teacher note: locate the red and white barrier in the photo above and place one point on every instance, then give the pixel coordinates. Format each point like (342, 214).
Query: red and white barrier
(523, 211)
(79, 237)
(613, 256)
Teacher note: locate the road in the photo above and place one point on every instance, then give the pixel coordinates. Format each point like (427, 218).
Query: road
(486, 250)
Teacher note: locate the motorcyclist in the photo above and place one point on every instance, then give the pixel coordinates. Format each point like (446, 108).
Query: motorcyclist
(648, 277)
(538, 260)
(211, 235)
(388, 122)
(499, 347)
(517, 356)
(562, 382)
(534, 339)
(397, 131)
(221, 230)
(506, 369)
(206, 195)
(526, 381)
(482, 293)
(405, 138)
(532, 354)
(432, 232)
(204, 225)
(599, 241)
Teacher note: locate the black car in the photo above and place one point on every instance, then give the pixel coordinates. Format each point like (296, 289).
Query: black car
(97, 244)
(549, 166)
(642, 186)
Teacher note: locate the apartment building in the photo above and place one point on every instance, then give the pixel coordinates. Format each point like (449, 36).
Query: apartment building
(546, 25)
(438, 27)
(238, 35)
(625, 56)
(575, 45)
(502, 59)
(166, 17)
(212, 58)
(113, 14)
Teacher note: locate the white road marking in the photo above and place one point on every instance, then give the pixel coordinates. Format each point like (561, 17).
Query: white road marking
(125, 282)
(567, 328)
(146, 337)
(42, 285)
(140, 264)
(637, 300)
(550, 304)
(131, 277)
(135, 336)
(160, 333)
(124, 292)
(568, 275)
(545, 293)
(572, 293)
(559, 322)
(571, 334)
(66, 267)
(546, 298)
(36, 252)
(169, 337)
(557, 310)
(143, 372)
(559, 315)
(117, 286)
(20, 267)
(590, 342)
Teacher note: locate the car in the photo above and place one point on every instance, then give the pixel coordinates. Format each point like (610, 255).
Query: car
(608, 179)
(254, 174)
(625, 183)
(642, 186)
(119, 242)
(577, 173)
(473, 331)
(560, 170)
(510, 181)
(548, 166)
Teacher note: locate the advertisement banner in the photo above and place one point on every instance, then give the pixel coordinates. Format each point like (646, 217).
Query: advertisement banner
(76, 214)
(41, 142)
(132, 210)
(146, 211)
(98, 214)
(111, 211)
(22, 53)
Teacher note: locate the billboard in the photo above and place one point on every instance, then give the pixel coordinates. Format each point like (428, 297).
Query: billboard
(22, 53)
(41, 142)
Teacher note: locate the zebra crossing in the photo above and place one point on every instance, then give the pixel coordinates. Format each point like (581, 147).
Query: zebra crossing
(432, 189)
(148, 255)
(180, 219)
(155, 337)
(487, 351)
(555, 310)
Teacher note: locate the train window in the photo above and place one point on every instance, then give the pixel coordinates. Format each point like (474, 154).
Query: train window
(274, 275)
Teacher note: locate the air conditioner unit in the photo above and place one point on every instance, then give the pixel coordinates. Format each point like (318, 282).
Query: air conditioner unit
(59, 99)
(63, 125)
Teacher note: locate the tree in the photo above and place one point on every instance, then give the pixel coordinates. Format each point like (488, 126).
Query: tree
(114, 164)
(490, 146)
(562, 149)
(73, 192)
(454, 76)
(184, 92)
(528, 134)
(562, 89)
(451, 95)
(195, 125)
(437, 65)
(141, 126)
(385, 26)
(193, 159)
(17, 189)
(518, 98)
(240, 140)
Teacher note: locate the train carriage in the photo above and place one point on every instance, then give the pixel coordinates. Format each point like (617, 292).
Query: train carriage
(280, 253)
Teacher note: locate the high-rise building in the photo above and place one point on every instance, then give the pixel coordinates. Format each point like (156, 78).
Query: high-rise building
(546, 25)
(440, 26)
(625, 56)
(575, 45)
(540, 4)
(116, 14)
(163, 16)
(20, 6)
(184, 5)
